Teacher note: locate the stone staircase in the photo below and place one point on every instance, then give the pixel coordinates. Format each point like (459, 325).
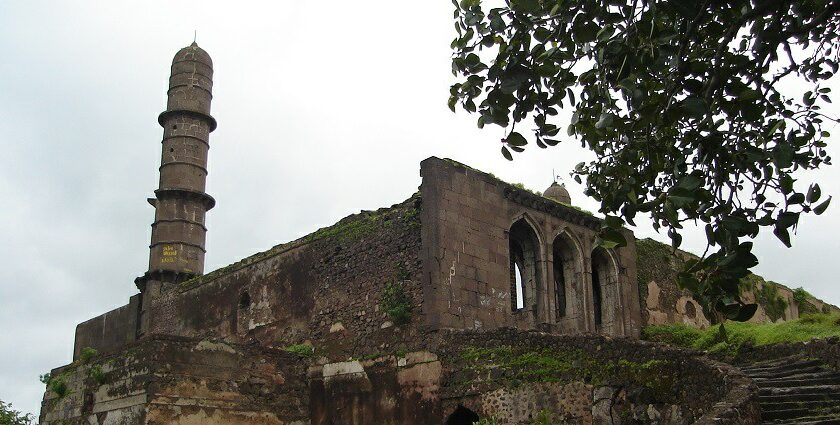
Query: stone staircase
(795, 390)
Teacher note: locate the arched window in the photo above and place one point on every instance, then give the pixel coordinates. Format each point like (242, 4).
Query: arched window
(524, 272)
(462, 416)
(603, 287)
(564, 258)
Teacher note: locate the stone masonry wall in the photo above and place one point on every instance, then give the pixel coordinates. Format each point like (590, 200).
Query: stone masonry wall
(516, 377)
(324, 289)
(663, 302)
(467, 220)
(110, 331)
(165, 380)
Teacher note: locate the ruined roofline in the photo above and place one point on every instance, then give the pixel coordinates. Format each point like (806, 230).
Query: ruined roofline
(529, 198)
(517, 194)
(348, 226)
(751, 278)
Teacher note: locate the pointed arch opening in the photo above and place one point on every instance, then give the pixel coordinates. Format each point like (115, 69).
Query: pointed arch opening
(524, 271)
(462, 416)
(565, 257)
(604, 281)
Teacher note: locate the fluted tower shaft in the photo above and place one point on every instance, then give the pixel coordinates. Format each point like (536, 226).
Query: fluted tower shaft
(178, 233)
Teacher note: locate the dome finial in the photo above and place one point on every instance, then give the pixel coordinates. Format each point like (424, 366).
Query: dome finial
(558, 192)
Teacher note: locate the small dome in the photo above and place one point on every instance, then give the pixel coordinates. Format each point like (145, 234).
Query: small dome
(193, 53)
(558, 193)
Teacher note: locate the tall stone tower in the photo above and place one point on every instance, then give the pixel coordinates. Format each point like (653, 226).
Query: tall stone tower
(178, 232)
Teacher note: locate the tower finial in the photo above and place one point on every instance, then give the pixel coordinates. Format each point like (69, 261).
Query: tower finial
(195, 36)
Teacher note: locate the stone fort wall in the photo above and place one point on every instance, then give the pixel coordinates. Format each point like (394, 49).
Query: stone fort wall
(324, 289)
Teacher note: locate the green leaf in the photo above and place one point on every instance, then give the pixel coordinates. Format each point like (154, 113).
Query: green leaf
(814, 193)
(516, 139)
(784, 155)
(749, 95)
(610, 238)
(783, 235)
(821, 207)
(786, 183)
(688, 281)
(506, 154)
(525, 6)
(695, 107)
(796, 198)
(604, 121)
(585, 31)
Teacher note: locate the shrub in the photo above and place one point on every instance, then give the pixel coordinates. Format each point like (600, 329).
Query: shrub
(396, 303)
(774, 304)
(97, 374)
(800, 295)
(58, 386)
(681, 335)
(304, 350)
(86, 354)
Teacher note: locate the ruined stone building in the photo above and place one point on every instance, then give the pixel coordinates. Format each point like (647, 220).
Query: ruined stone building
(472, 298)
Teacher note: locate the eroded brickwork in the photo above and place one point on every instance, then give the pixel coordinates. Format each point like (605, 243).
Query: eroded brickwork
(324, 289)
(165, 380)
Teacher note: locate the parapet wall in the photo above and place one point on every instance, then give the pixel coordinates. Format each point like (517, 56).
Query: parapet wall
(108, 332)
(473, 222)
(324, 289)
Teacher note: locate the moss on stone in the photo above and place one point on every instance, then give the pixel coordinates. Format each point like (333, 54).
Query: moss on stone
(304, 350)
(347, 230)
(511, 366)
(767, 296)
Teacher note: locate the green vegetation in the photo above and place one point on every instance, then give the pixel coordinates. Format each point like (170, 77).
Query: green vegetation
(396, 303)
(305, 350)
(522, 187)
(97, 374)
(9, 416)
(767, 295)
(686, 106)
(800, 295)
(347, 230)
(738, 334)
(55, 384)
(514, 365)
(87, 354)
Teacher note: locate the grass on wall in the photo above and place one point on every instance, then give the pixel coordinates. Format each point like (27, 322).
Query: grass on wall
(738, 334)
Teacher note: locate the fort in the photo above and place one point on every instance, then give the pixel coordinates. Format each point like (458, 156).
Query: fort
(472, 299)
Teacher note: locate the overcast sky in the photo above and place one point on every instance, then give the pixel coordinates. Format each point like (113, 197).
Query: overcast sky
(324, 108)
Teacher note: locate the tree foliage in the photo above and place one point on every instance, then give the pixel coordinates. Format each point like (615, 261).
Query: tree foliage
(9, 416)
(697, 111)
